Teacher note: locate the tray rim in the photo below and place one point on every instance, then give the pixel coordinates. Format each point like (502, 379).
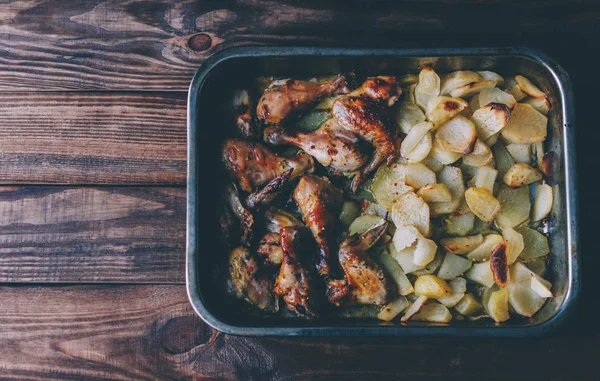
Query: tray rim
(571, 205)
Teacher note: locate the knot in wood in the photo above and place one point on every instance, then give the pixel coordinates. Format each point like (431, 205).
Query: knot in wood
(181, 334)
(200, 42)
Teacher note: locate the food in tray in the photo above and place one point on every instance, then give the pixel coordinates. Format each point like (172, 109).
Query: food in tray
(398, 198)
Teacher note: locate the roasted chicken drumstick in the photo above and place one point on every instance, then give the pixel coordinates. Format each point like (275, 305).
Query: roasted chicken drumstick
(287, 97)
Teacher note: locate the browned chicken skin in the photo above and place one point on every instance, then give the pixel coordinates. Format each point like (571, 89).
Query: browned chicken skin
(320, 203)
(365, 279)
(294, 281)
(244, 216)
(254, 165)
(360, 112)
(287, 97)
(331, 145)
(248, 282)
(269, 248)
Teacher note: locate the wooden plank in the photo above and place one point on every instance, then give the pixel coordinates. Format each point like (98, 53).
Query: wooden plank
(59, 234)
(159, 44)
(127, 138)
(150, 332)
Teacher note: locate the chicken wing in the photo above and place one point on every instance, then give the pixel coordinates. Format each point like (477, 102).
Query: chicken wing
(294, 281)
(254, 165)
(320, 203)
(366, 280)
(285, 98)
(248, 282)
(361, 113)
(331, 145)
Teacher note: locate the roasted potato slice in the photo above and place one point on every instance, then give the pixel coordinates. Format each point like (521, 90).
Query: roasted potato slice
(417, 175)
(364, 223)
(389, 184)
(453, 179)
(535, 244)
(542, 204)
(414, 137)
(408, 115)
(459, 287)
(525, 126)
(503, 159)
(468, 305)
(435, 193)
(514, 206)
(432, 286)
(540, 287)
(520, 152)
(483, 252)
(433, 312)
(457, 135)
(490, 75)
(512, 88)
(424, 251)
(453, 266)
(481, 273)
(427, 88)
(393, 269)
(521, 174)
(491, 119)
(414, 308)
(459, 224)
(411, 210)
(483, 204)
(523, 299)
(456, 79)
(462, 245)
(442, 155)
(472, 88)
(486, 178)
(393, 309)
(528, 87)
(496, 96)
(441, 109)
(540, 104)
(497, 306)
(422, 150)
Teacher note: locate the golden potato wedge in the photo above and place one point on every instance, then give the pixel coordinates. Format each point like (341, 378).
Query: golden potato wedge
(408, 115)
(427, 88)
(457, 135)
(410, 209)
(499, 263)
(435, 193)
(441, 109)
(459, 224)
(433, 312)
(422, 150)
(393, 269)
(540, 104)
(393, 309)
(468, 305)
(432, 163)
(453, 179)
(525, 126)
(514, 206)
(490, 119)
(483, 252)
(478, 160)
(486, 178)
(414, 137)
(432, 286)
(472, 88)
(521, 174)
(483, 204)
(542, 205)
(432, 267)
(497, 306)
(424, 251)
(414, 308)
(496, 95)
(462, 245)
(515, 244)
(490, 75)
(453, 266)
(404, 258)
(512, 88)
(520, 152)
(481, 273)
(528, 87)
(443, 156)
(456, 79)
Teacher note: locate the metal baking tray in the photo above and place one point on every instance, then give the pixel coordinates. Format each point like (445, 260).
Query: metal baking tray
(212, 88)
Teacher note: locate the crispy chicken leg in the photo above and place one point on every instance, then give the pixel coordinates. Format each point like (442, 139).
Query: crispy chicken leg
(287, 97)
(360, 112)
(253, 165)
(248, 282)
(320, 203)
(294, 281)
(331, 145)
(366, 280)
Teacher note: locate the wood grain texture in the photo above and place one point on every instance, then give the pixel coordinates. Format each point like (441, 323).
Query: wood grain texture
(158, 44)
(150, 332)
(92, 234)
(126, 138)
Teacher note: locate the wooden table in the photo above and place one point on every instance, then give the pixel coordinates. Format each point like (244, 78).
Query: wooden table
(92, 202)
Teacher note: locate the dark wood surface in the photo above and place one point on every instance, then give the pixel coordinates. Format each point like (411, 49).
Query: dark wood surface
(92, 176)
